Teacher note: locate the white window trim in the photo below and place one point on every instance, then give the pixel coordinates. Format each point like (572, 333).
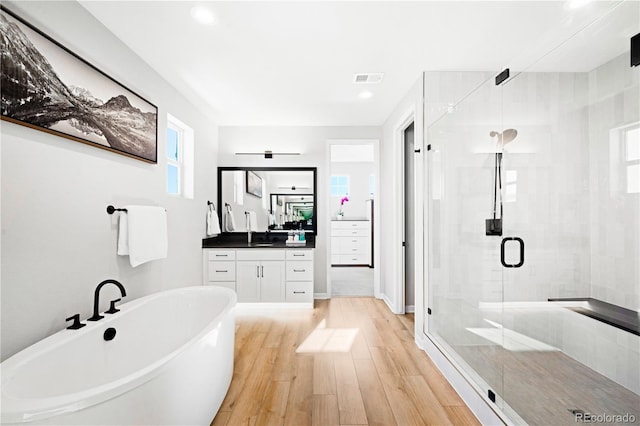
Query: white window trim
(186, 157)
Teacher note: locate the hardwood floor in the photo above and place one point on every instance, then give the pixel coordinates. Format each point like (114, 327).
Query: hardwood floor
(350, 361)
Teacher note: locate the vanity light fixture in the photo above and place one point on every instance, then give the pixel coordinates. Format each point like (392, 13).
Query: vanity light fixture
(267, 154)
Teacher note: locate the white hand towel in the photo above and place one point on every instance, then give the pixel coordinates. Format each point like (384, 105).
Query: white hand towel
(123, 235)
(252, 222)
(213, 226)
(147, 230)
(229, 220)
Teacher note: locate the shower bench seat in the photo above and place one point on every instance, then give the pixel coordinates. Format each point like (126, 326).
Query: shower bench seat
(616, 316)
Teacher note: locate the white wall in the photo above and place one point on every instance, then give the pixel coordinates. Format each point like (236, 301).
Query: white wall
(391, 196)
(311, 143)
(58, 242)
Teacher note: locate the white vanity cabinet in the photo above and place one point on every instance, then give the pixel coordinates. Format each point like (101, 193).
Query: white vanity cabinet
(260, 276)
(220, 268)
(273, 275)
(299, 275)
(351, 242)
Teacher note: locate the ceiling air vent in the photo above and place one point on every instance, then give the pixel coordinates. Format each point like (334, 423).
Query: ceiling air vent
(374, 77)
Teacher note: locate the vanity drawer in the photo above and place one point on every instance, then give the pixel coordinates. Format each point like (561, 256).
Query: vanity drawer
(299, 291)
(349, 245)
(299, 254)
(221, 254)
(355, 259)
(355, 232)
(299, 271)
(222, 271)
(345, 224)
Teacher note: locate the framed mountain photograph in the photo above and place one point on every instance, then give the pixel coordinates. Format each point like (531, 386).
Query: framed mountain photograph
(47, 87)
(254, 184)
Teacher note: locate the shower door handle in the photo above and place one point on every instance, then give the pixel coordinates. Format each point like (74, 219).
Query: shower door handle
(502, 260)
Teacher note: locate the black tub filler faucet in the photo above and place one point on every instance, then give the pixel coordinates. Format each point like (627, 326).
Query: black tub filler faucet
(96, 299)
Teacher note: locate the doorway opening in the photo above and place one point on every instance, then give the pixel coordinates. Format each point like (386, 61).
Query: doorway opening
(353, 180)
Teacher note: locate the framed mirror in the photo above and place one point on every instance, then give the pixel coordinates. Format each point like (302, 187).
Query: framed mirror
(283, 198)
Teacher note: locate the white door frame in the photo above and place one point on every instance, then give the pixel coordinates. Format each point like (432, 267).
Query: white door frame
(397, 305)
(376, 209)
(399, 293)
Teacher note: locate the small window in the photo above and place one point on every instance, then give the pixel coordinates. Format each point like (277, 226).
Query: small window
(179, 158)
(174, 159)
(372, 185)
(511, 184)
(339, 185)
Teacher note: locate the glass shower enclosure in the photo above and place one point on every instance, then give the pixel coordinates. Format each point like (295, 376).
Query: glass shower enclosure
(532, 199)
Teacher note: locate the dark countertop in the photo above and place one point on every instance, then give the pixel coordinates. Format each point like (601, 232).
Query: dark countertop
(259, 239)
(351, 219)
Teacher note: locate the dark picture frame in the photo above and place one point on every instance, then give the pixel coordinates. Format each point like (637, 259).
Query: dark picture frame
(254, 184)
(47, 87)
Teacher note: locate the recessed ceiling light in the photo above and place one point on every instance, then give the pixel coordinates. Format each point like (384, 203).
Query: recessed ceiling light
(202, 15)
(365, 95)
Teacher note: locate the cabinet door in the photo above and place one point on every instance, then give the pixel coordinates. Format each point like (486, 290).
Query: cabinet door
(272, 281)
(248, 280)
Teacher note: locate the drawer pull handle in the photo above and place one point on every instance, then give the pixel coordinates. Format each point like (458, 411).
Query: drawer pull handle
(298, 255)
(221, 270)
(354, 232)
(354, 249)
(222, 255)
(299, 292)
(354, 241)
(299, 270)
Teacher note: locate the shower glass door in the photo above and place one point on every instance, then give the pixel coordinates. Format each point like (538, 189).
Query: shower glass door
(465, 278)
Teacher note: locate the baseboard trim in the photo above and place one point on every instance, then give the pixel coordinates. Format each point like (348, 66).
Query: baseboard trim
(389, 304)
(481, 408)
(321, 296)
(410, 309)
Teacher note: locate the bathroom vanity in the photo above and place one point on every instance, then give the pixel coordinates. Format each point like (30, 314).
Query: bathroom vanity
(264, 268)
(259, 273)
(262, 274)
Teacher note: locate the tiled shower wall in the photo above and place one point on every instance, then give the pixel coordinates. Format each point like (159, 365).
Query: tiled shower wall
(614, 108)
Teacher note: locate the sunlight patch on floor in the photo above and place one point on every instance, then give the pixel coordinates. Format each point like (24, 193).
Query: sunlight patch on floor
(323, 339)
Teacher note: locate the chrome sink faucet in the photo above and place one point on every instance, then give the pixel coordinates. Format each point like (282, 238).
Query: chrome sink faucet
(96, 299)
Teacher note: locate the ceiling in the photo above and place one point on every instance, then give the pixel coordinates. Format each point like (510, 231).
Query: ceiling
(293, 63)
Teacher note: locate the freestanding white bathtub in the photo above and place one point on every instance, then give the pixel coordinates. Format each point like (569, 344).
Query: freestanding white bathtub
(170, 362)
